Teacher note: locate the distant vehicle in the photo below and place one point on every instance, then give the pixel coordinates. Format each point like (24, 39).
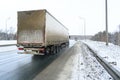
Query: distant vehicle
(40, 33)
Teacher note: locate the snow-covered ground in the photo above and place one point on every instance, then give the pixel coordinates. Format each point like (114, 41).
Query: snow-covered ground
(83, 66)
(110, 53)
(4, 42)
(7, 48)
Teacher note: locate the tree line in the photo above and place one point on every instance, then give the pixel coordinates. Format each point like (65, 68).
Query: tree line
(8, 34)
(112, 37)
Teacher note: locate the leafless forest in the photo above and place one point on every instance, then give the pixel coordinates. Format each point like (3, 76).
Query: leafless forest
(8, 34)
(113, 37)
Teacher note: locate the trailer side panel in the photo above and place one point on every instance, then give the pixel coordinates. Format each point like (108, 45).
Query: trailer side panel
(56, 33)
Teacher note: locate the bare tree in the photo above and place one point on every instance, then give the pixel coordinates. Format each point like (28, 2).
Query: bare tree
(11, 35)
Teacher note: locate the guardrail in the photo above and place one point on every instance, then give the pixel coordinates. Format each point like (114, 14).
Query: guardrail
(110, 69)
(7, 45)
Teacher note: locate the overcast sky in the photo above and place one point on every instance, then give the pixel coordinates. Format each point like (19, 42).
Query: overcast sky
(72, 13)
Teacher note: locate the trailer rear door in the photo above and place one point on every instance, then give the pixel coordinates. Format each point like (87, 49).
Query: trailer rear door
(31, 26)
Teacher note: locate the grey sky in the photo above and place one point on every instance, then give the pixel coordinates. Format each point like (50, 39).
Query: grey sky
(69, 12)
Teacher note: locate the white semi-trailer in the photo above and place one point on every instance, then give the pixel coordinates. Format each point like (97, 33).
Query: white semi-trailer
(40, 33)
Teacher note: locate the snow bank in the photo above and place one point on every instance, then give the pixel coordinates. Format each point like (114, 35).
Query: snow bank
(86, 67)
(110, 53)
(4, 42)
(7, 48)
(82, 66)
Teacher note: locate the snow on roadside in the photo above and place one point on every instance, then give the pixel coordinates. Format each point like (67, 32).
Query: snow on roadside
(7, 48)
(110, 53)
(83, 66)
(4, 42)
(86, 67)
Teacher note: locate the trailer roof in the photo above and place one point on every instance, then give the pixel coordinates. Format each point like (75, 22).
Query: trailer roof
(47, 12)
(56, 19)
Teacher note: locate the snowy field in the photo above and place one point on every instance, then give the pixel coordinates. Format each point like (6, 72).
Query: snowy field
(110, 53)
(4, 42)
(7, 48)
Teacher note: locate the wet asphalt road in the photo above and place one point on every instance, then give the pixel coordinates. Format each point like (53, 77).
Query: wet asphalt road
(15, 66)
(60, 68)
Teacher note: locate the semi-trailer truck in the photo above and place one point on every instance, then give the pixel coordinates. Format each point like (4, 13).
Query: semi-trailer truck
(40, 33)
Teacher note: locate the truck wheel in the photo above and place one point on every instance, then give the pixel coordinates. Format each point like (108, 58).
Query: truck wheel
(58, 49)
(47, 51)
(52, 50)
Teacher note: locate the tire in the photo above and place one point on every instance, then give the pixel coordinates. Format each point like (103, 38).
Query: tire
(58, 49)
(47, 50)
(52, 50)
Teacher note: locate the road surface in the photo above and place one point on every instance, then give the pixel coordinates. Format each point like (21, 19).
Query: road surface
(15, 66)
(73, 63)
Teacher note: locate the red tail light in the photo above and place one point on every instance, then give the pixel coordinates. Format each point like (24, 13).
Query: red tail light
(20, 49)
(42, 50)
